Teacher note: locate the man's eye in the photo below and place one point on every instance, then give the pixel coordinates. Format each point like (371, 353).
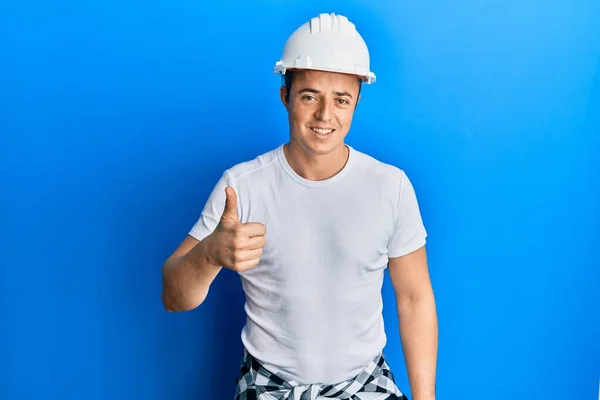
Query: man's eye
(343, 101)
(308, 97)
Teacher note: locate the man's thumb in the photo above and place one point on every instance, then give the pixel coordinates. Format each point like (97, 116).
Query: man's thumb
(230, 204)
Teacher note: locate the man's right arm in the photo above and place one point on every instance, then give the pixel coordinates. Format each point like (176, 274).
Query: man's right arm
(187, 275)
(190, 270)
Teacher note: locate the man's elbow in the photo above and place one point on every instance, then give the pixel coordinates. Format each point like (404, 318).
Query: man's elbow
(175, 304)
(416, 299)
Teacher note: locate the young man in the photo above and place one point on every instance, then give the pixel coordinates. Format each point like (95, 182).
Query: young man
(310, 227)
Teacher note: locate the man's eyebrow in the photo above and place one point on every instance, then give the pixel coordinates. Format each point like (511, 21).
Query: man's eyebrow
(343, 94)
(315, 91)
(309, 90)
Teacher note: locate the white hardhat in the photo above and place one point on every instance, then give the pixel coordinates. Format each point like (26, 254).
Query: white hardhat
(328, 42)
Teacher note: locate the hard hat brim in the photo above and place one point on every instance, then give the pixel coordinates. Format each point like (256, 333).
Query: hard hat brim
(368, 79)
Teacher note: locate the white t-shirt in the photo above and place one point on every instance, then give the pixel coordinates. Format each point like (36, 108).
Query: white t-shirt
(314, 304)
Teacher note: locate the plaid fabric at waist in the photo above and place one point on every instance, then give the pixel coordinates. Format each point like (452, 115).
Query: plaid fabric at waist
(256, 382)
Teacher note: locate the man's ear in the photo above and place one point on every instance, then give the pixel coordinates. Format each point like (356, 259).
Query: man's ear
(283, 95)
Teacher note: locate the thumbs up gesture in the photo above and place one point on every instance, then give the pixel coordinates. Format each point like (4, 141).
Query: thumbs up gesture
(237, 246)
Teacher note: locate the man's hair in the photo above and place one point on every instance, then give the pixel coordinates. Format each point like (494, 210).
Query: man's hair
(289, 78)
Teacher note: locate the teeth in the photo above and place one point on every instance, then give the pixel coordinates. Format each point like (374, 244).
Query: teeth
(322, 131)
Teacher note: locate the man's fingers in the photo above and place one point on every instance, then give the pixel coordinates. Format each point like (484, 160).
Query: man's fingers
(249, 255)
(257, 242)
(253, 229)
(241, 266)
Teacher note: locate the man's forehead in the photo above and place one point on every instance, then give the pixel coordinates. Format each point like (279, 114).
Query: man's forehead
(323, 75)
(325, 78)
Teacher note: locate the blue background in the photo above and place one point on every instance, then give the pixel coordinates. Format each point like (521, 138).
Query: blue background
(117, 118)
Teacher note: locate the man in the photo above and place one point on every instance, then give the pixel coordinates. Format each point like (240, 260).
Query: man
(310, 227)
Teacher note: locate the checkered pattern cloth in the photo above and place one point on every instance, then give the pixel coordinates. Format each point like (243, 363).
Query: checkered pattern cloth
(256, 382)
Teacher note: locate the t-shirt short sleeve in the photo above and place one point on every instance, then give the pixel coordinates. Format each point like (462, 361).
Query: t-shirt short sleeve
(213, 208)
(409, 231)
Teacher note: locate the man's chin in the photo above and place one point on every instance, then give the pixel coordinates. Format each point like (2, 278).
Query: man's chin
(324, 148)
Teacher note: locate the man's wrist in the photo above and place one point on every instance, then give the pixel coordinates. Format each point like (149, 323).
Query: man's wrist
(202, 256)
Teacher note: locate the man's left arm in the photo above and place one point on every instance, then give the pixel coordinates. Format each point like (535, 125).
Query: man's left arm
(418, 323)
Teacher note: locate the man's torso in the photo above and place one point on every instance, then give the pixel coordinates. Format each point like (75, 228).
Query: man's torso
(314, 302)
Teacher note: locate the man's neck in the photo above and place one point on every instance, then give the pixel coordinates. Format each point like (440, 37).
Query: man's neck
(315, 167)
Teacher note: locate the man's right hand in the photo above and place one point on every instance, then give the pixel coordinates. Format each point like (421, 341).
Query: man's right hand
(234, 245)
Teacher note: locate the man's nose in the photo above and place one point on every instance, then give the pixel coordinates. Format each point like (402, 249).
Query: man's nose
(324, 112)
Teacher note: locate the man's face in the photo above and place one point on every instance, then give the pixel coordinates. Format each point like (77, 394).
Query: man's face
(320, 109)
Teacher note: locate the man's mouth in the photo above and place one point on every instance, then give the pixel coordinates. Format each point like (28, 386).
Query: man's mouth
(321, 131)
